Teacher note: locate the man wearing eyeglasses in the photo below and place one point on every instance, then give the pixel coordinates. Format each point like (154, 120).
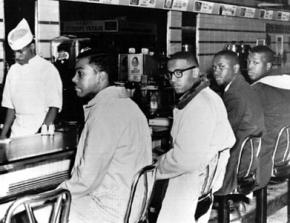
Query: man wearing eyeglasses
(200, 130)
(245, 114)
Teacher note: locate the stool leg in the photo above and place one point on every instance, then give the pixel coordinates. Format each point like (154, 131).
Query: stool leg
(261, 205)
(223, 210)
(288, 200)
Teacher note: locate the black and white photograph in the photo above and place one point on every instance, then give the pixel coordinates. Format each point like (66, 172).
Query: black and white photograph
(144, 111)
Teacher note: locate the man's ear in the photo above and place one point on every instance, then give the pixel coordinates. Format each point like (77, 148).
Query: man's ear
(32, 46)
(236, 68)
(268, 66)
(103, 76)
(196, 72)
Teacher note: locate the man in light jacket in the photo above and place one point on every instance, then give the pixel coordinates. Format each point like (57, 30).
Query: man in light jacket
(200, 130)
(115, 143)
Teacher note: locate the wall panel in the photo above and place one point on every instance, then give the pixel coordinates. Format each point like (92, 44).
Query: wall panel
(47, 25)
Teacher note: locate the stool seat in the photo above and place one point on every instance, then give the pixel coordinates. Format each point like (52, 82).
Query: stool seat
(245, 184)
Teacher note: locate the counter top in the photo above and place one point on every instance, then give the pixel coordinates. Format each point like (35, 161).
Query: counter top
(35, 163)
(21, 149)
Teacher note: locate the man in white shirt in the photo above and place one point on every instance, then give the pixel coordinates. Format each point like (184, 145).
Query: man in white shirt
(33, 88)
(200, 130)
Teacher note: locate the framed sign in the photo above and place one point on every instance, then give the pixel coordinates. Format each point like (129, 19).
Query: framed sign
(168, 4)
(135, 67)
(229, 10)
(268, 14)
(180, 5)
(204, 7)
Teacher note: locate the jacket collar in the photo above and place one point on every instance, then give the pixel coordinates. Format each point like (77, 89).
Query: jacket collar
(191, 93)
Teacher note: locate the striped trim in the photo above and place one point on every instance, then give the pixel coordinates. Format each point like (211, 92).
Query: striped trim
(175, 41)
(48, 22)
(231, 30)
(44, 40)
(206, 54)
(1, 20)
(174, 27)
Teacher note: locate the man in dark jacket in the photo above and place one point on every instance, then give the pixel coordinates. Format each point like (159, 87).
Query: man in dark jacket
(244, 113)
(273, 88)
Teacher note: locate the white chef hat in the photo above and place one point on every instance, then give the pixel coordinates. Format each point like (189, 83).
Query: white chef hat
(20, 36)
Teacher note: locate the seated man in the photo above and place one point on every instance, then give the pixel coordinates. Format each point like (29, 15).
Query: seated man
(200, 130)
(115, 143)
(273, 88)
(245, 113)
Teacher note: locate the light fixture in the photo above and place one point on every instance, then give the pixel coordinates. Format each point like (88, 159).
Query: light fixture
(268, 4)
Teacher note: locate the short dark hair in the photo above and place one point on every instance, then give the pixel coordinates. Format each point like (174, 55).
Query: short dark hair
(228, 54)
(188, 56)
(103, 61)
(266, 51)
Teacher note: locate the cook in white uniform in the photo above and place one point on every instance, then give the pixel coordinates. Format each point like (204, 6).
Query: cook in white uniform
(33, 88)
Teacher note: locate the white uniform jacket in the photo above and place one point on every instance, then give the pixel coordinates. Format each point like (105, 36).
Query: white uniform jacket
(30, 90)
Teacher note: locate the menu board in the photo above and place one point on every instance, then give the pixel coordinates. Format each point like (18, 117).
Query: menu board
(147, 3)
(247, 12)
(143, 3)
(168, 4)
(114, 2)
(285, 16)
(204, 7)
(180, 5)
(229, 10)
(268, 14)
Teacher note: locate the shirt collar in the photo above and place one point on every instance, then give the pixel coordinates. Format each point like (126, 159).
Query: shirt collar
(229, 84)
(107, 93)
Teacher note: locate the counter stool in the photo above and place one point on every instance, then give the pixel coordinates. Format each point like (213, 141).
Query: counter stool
(245, 184)
(57, 200)
(148, 176)
(206, 199)
(281, 164)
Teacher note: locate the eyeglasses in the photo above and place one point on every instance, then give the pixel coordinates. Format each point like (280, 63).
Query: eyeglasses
(178, 73)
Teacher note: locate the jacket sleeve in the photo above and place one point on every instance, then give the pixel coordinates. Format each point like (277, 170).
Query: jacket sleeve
(53, 88)
(235, 108)
(6, 97)
(191, 144)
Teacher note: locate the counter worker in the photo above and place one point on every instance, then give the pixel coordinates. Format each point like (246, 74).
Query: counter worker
(33, 88)
(115, 143)
(273, 88)
(245, 114)
(200, 130)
